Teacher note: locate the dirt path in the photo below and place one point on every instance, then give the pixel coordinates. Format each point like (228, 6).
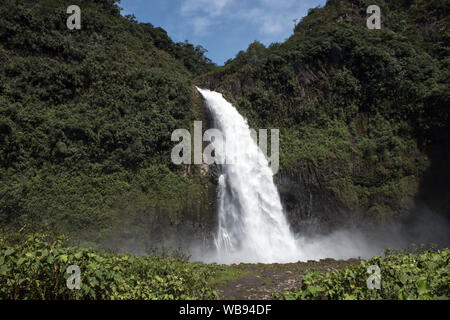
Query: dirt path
(258, 281)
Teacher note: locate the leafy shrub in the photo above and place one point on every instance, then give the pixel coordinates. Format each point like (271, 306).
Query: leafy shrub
(423, 275)
(35, 268)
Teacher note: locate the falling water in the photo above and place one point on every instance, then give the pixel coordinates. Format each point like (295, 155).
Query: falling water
(252, 226)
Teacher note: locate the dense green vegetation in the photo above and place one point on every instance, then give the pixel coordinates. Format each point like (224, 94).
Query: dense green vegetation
(85, 122)
(403, 276)
(34, 267)
(359, 107)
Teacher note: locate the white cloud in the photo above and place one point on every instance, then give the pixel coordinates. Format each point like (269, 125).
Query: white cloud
(211, 8)
(203, 13)
(269, 23)
(271, 17)
(279, 4)
(273, 25)
(200, 25)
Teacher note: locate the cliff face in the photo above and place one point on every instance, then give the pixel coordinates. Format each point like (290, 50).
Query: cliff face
(359, 110)
(310, 207)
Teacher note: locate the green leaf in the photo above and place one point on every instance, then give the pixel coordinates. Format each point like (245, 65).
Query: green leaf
(3, 270)
(422, 286)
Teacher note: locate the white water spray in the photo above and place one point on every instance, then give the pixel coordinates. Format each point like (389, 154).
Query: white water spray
(252, 226)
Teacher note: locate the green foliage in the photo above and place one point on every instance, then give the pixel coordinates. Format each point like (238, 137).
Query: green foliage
(409, 276)
(34, 267)
(86, 116)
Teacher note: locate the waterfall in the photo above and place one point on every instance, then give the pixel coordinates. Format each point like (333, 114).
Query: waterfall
(252, 226)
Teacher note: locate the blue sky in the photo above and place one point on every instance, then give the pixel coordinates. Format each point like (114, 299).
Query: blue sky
(223, 27)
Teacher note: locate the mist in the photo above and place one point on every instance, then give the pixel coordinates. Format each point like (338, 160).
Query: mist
(425, 228)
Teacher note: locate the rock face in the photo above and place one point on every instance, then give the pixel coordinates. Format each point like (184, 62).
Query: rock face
(309, 206)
